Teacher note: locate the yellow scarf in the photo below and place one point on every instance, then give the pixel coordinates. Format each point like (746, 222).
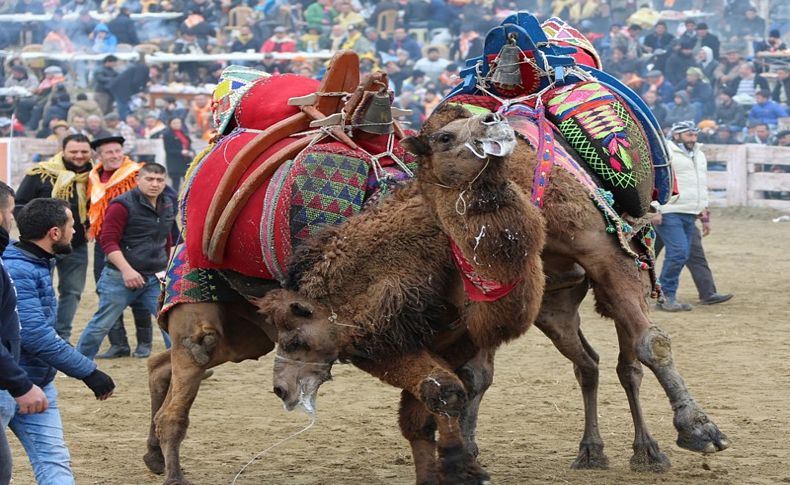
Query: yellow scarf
(122, 180)
(64, 181)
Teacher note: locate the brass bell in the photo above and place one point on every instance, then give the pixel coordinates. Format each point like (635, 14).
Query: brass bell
(378, 116)
(507, 74)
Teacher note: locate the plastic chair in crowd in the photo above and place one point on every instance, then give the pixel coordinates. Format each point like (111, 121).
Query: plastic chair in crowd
(420, 34)
(386, 22)
(237, 16)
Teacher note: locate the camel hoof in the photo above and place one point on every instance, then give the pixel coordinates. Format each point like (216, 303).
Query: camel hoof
(696, 432)
(443, 396)
(177, 481)
(458, 467)
(649, 458)
(155, 461)
(590, 457)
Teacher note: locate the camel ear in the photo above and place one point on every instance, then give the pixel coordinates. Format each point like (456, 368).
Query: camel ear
(416, 145)
(301, 309)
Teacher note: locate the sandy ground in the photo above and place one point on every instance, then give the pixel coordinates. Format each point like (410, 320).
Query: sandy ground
(733, 356)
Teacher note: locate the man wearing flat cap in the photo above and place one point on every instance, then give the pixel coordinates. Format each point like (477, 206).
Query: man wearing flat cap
(65, 177)
(113, 175)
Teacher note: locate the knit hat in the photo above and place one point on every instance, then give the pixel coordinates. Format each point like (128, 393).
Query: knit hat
(684, 127)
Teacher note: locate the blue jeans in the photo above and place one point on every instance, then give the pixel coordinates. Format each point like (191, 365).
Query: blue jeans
(41, 434)
(7, 411)
(677, 231)
(114, 297)
(72, 271)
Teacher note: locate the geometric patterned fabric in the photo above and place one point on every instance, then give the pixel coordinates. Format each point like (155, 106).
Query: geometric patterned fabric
(328, 188)
(185, 284)
(605, 134)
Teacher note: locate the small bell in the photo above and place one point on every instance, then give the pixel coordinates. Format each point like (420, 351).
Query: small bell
(507, 74)
(378, 116)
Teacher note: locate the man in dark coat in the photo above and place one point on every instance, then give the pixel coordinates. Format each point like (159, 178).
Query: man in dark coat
(781, 91)
(129, 82)
(679, 62)
(16, 388)
(705, 38)
(123, 28)
(102, 79)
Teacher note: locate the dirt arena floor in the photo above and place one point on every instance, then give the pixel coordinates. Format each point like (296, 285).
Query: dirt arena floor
(735, 358)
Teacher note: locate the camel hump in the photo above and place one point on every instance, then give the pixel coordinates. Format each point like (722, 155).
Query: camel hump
(603, 130)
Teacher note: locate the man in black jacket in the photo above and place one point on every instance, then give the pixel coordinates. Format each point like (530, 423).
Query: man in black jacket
(781, 91)
(136, 237)
(65, 176)
(129, 82)
(123, 28)
(102, 79)
(16, 388)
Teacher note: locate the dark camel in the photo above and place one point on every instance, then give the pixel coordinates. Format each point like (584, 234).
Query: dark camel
(375, 289)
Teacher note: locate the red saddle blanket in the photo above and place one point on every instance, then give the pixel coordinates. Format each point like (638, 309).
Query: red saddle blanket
(325, 184)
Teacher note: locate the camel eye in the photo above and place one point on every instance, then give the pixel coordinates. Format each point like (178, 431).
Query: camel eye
(443, 137)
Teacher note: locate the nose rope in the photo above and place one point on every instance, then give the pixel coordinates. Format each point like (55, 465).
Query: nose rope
(310, 425)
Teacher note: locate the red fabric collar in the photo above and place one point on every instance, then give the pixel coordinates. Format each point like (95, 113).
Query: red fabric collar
(476, 287)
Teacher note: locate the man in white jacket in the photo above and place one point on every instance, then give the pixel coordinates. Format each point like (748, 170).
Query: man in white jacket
(677, 222)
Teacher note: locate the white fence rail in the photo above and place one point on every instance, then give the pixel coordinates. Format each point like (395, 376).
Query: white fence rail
(747, 179)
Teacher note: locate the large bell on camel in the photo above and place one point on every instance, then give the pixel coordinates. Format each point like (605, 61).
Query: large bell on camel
(378, 116)
(507, 73)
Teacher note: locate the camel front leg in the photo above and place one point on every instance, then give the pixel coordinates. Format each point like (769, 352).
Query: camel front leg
(477, 375)
(159, 372)
(559, 320)
(429, 380)
(696, 432)
(419, 428)
(621, 297)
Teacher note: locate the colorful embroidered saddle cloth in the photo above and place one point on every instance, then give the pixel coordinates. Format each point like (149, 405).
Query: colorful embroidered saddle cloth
(325, 184)
(553, 56)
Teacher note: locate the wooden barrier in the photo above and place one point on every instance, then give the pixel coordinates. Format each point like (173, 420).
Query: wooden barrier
(18, 154)
(747, 177)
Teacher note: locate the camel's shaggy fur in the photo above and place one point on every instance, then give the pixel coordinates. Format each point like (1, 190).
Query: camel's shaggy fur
(388, 278)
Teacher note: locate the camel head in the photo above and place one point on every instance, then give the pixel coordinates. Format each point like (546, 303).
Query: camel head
(455, 148)
(307, 346)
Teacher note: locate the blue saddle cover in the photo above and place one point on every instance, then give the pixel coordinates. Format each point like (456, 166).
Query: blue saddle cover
(553, 61)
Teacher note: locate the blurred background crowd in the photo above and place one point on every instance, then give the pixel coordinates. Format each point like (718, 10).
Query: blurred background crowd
(722, 63)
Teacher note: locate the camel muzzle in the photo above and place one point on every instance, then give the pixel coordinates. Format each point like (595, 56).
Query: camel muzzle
(498, 138)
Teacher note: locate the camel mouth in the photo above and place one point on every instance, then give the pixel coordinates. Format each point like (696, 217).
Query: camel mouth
(498, 148)
(306, 397)
(499, 139)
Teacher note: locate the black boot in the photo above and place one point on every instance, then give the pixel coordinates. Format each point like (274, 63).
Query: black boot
(119, 345)
(144, 328)
(144, 338)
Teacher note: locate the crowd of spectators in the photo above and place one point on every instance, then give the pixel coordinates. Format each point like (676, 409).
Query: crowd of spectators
(703, 61)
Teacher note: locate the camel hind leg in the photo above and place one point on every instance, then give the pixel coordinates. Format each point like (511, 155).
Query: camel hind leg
(204, 335)
(159, 373)
(620, 295)
(559, 320)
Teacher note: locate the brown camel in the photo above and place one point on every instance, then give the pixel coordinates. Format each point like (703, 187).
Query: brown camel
(580, 254)
(208, 334)
(477, 262)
